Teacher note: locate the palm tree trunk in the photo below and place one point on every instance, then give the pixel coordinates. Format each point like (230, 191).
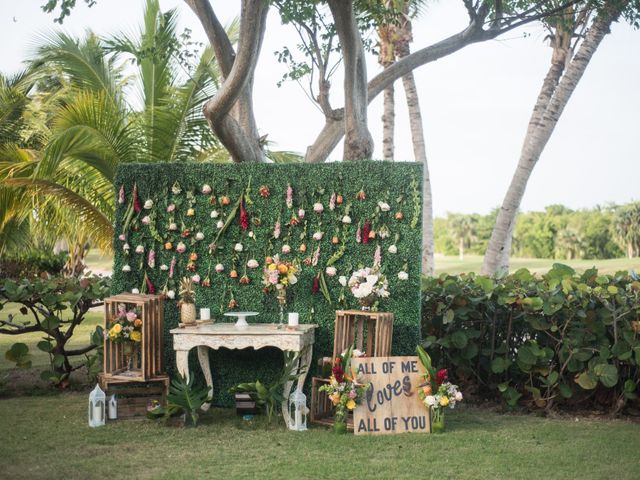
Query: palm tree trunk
(554, 96)
(388, 123)
(461, 248)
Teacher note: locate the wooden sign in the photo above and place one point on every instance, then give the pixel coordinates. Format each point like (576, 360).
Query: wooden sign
(391, 404)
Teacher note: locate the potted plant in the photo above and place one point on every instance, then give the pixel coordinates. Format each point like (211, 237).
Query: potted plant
(183, 402)
(187, 302)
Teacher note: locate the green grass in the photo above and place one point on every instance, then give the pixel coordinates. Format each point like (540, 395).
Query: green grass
(473, 263)
(45, 437)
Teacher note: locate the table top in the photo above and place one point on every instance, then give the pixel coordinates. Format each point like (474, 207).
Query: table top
(240, 314)
(253, 329)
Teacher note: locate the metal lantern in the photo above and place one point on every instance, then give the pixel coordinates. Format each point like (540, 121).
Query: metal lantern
(113, 408)
(97, 401)
(298, 411)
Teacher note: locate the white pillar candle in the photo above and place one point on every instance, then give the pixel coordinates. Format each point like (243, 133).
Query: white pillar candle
(205, 314)
(293, 319)
(113, 408)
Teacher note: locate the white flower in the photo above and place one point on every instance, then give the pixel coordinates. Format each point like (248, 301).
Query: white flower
(301, 213)
(346, 219)
(219, 268)
(148, 204)
(458, 396)
(199, 236)
(402, 275)
(206, 189)
(122, 237)
(171, 208)
(126, 268)
(181, 247)
(357, 353)
(164, 267)
(253, 263)
(220, 224)
(171, 294)
(238, 247)
(286, 249)
(126, 247)
(342, 280)
(173, 226)
(384, 206)
(392, 249)
(317, 236)
(318, 207)
(135, 291)
(251, 235)
(293, 280)
(146, 220)
(331, 271)
(176, 189)
(196, 278)
(430, 400)
(214, 214)
(140, 249)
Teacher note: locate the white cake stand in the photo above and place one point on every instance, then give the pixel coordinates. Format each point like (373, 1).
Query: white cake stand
(241, 323)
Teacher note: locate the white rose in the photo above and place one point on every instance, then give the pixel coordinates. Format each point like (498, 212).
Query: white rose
(384, 206)
(238, 247)
(196, 278)
(346, 219)
(458, 396)
(199, 236)
(331, 271)
(393, 249)
(139, 249)
(220, 224)
(301, 213)
(402, 275)
(126, 247)
(214, 214)
(206, 189)
(317, 236)
(135, 291)
(342, 280)
(251, 235)
(148, 204)
(173, 226)
(171, 294)
(318, 207)
(164, 267)
(286, 249)
(430, 400)
(293, 280)
(126, 268)
(253, 263)
(219, 268)
(176, 190)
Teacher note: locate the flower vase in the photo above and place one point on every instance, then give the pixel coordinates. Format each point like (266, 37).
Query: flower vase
(130, 358)
(366, 303)
(282, 301)
(437, 420)
(340, 423)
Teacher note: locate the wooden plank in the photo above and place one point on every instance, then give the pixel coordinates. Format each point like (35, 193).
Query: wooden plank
(360, 334)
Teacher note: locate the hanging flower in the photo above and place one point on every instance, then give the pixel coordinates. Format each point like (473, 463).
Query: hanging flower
(126, 268)
(171, 294)
(289, 196)
(399, 216)
(335, 240)
(175, 189)
(315, 286)
(244, 280)
(150, 287)
(220, 225)
(318, 207)
(173, 226)
(214, 214)
(126, 247)
(361, 195)
(238, 247)
(146, 220)
(251, 234)
(402, 275)
(140, 249)
(286, 249)
(225, 200)
(377, 257)
(172, 266)
(342, 280)
(233, 303)
(219, 268)
(148, 204)
(136, 200)
(206, 189)
(294, 221)
(191, 212)
(303, 248)
(206, 282)
(122, 237)
(339, 199)
(384, 232)
(151, 258)
(253, 263)
(392, 249)
(332, 201)
(317, 236)
(276, 230)
(264, 191)
(135, 291)
(193, 257)
(121, 198)
(244, 217)
(442, 376)
(212, 248)
(186, 233)
(233, 273)
(316, 257)
(195, 278)
(181, 248)
(164, 267)
(171, 208)
(346, 219)
(191, 266)
(331, 271)
(366, 229)
(359, 234)
(372, 235)
(168, 246)
(301, 213)
(199, 236)
(384, 206)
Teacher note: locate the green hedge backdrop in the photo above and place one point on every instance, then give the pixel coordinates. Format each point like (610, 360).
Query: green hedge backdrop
(396, 184)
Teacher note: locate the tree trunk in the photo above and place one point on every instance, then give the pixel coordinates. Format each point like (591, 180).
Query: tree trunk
(388, 123)
(358, 144)
(461, 248)
(552, 99)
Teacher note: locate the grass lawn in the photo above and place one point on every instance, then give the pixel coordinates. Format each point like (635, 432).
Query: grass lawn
(49, 438)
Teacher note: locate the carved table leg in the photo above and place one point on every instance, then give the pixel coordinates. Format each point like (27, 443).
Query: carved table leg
(304, 362)
(182, 362)
(203, 358)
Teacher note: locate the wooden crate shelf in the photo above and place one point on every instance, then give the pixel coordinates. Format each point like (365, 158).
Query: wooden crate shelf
(150, 363)
(135, 397)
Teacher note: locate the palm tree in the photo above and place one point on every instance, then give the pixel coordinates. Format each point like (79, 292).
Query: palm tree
(95, 125)
(626, 228)
(462, 229)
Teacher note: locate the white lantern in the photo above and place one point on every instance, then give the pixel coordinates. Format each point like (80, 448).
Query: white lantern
(298, 411)
(113, 407)
(97, 400)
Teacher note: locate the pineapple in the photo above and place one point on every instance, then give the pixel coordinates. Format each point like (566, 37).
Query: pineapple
(187, 302)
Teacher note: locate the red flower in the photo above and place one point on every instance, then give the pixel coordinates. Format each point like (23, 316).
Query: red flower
(338, 373)
(315, 288)
(366, 229)
(206, 282)
(244, 217)
(442, 376)
(150, 287)
(137, 207)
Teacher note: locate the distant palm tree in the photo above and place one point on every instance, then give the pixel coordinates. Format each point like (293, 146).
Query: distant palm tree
(462, 229)
(626, 228)
(568, 243)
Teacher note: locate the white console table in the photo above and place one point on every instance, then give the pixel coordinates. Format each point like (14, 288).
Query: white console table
(256, 336)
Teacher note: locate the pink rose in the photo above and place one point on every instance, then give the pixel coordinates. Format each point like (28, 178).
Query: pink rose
(131, 316)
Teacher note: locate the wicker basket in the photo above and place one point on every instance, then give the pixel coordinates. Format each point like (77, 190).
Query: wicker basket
(188, 313)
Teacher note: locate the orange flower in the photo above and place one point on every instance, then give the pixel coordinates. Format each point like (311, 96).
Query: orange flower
(427, 390)
(233, 274)
(137, 322)
(168, 246)
(294, 221)
(282, 268)
(335, 240)
(225, 200)
(361, 195)
(339, 199)
(372, 234)
(268, 260)
(244, 280)
(303, 248)
(399, 215)
(193, 257)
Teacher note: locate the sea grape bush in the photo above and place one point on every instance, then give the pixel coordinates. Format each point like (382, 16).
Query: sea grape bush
(543, 341)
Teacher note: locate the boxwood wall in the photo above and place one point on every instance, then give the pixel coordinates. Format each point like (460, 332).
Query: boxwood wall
(360, 185)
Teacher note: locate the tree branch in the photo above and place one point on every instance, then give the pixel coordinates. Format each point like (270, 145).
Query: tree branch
(79, 351)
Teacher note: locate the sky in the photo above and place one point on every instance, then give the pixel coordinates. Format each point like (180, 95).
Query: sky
(475, 103)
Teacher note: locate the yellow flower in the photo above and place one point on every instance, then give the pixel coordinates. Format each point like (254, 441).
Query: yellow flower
(117, 328)
(335, 398)
(444, 401)
(272, 266)
(351, 404)
(136, 336)
(333, 381)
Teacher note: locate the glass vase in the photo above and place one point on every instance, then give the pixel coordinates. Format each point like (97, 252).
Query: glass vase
(366, 303)
(282, 301)
(437, 420)
(340, 423)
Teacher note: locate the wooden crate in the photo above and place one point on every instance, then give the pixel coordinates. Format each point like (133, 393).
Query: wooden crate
(135, 397)
(371, 333)
(150, 363)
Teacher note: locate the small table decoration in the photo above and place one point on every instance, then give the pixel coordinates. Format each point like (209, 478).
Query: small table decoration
(278, 275)
(368, 284)
(241, 323)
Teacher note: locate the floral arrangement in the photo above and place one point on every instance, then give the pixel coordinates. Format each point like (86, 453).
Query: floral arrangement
(367, 284)
(279, 274)
(343, 389)
(126, 326)
(437, 393)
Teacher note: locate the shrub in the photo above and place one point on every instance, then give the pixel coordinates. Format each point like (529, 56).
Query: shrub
(31, 264)
(562, 338)
(56, 307)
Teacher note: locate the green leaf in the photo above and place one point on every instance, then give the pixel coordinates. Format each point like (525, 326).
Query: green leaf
(552, 378)
(607, 374)
(630, 386)
(459, 339)
(526, 355)
(499, 364)
(448, 316)
(45, 346)
(587, 380)
(565, 390)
